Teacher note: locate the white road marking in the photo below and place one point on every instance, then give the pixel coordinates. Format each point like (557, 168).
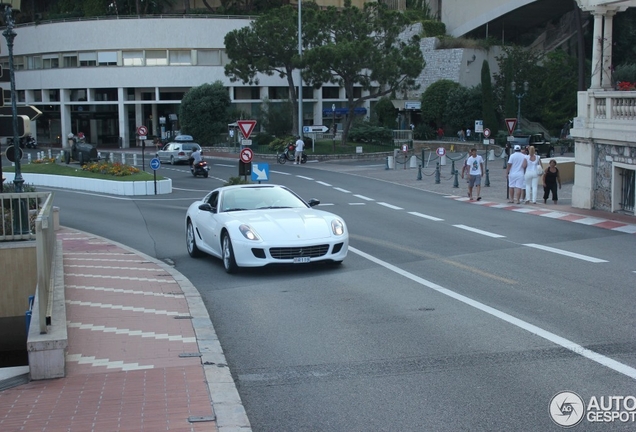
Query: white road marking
(342, 190)
(391, 206)
(126, 291)
(433, 218)
(551, 337)
(303, 177)
(128, 332)
(122, 278)
(566, 253)
(143, 269)
(322, 183)
(588, 221)
(478, 231)
(91, 360)
(225, 165)
(358, 204)
(364, 198)
(123, 308)
(629, 229)
(280, 172)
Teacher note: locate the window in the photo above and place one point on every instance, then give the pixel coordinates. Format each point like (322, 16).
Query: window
(89, 59)
(357, 92)
(34, 62)
(183, 57)
(50, 61)
(133, 58)
(54, 95)
(242, 93)
(107, 58)
(70, 60)
(278, 92)
(18, 62)
(156, 58)
(37, 95)
(331, 92)
(209, 57)
(21, 95)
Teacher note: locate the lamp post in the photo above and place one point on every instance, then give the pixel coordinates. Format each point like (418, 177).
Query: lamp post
(333, 111)
(519, 96)
(9, 34)
(300, 76)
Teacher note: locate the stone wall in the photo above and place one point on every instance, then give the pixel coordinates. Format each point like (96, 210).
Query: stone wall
(606, 156)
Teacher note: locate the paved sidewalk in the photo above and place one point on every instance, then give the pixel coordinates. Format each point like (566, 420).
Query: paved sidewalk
(142, 353)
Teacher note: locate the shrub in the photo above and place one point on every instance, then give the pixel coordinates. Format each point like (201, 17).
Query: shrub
(432, 28)
(116, 169)
(236, 180)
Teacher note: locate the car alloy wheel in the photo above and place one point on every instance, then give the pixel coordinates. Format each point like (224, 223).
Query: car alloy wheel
(191, 242)
(228, 255)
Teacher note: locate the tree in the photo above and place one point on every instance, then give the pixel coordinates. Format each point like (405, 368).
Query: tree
(384, 113)
(434, 102)
(557, 97)
(276, 118)
(488, 103)
(361, 48)
(463, 107)
(203, 112)
(268, 46)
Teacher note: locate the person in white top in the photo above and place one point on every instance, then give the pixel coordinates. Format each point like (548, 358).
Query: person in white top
(531, 163)
(475, 167)
(300, 146)
(196, 156)
(515, 174)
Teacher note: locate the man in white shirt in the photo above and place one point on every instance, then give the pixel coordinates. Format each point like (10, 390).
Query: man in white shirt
(515, 174)
(196, 156)
(475, 164)
(300, 146)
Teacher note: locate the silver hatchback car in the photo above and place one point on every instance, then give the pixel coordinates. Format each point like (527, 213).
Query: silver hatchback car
(177, 152)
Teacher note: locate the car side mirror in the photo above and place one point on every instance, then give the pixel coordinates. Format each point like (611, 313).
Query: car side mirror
(313, 202)
(207, 207)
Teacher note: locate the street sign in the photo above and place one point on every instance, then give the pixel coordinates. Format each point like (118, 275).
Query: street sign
(486, 132)
(315, 128)
(405, 148)
(260, 172)
(511, 123)
(6, 125)
(246, 155)
(441, 151)
(142, 137)
(246, 127)
(11, 153)
(142, 131)
(246, 142)
(29, 111)
(479, 126)
(155, 163)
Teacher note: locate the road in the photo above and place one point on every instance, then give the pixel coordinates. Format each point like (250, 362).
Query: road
(445, 316)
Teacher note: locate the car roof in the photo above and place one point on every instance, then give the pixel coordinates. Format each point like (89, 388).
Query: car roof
(181, 138)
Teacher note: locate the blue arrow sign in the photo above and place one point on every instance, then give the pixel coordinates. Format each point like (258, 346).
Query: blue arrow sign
(260, 172)
(155, 163)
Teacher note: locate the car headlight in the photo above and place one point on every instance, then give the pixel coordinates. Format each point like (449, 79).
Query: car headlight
(248, 232)
(337, 227)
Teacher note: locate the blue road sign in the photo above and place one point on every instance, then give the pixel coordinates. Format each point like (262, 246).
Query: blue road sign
(260, 172)
(155, 163)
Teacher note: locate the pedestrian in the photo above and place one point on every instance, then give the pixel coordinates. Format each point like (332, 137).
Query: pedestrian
(440, 133)
(468, 134)
(531, 166)
(514, 173)
(550, 179)
(300, 146)
(475, 165)
(460, 135)
(524, 151)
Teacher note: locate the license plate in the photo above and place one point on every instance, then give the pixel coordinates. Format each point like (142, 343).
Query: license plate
(299, 260)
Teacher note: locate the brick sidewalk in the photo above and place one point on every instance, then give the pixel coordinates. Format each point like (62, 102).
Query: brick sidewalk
(142, 353)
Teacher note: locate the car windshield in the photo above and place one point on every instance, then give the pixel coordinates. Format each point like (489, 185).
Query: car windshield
(256, 198)
(189, 146)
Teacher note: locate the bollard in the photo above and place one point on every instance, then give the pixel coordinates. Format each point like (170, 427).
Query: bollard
(456, 181)
(419, 172)
(134, 159)
(413, 162)
(123, 158)
(99, 155)
(505, 160)
(112, 157)
(487, 184)
(491, 155)
(387, 163)
(437, 174)
(452, 167)
(29, 158)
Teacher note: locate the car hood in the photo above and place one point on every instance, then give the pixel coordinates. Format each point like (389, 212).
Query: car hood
(290, 224)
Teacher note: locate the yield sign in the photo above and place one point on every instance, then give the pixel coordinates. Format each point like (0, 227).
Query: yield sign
(511, 123)
(246, 155)
(246, 127)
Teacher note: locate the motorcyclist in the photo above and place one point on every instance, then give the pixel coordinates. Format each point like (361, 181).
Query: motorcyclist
(195, 157)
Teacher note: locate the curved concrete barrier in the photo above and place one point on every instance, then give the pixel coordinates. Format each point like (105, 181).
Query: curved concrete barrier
(114, 187)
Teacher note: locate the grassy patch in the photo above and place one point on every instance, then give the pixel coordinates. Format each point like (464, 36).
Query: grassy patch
(74, 170)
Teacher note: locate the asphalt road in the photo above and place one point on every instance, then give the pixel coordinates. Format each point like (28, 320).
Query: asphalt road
(444, 316)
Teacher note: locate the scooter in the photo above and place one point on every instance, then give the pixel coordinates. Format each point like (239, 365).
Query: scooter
(200, 169)
(25, 141)
(288, 155)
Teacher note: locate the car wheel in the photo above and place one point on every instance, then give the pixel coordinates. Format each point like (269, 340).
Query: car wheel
(81, 159)
(171, 160)
(227, 253)
(191, 242)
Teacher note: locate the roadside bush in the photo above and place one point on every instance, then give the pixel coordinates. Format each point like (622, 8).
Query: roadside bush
(432, 28)
(115, 169)
(365, 132)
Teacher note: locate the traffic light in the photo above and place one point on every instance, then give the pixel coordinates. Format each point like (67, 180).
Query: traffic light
(6, 126)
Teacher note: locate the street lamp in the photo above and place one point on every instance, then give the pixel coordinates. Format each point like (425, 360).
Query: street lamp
(519, 96)
(9, 34)
(333, 111)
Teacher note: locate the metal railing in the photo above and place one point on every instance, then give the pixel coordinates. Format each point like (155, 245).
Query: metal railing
(19, 212)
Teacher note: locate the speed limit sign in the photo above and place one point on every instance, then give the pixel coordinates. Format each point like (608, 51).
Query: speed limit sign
(487, 132)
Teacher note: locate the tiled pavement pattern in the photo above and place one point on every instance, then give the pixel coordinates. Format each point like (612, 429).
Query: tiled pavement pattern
(129, 363)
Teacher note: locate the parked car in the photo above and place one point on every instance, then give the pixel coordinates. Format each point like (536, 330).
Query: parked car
(177, 152)
(541, 145)
(253, 225)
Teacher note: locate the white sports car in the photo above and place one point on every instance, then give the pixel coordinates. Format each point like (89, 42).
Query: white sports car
(254, 225)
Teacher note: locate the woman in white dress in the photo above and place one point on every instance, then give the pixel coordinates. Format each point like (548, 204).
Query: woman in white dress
(531, 175)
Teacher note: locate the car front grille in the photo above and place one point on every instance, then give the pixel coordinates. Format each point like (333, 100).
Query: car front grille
(295, 252)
